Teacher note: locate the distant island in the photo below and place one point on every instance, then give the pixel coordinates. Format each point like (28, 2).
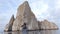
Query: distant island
(25, 15)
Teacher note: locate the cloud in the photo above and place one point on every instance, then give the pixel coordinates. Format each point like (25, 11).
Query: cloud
(54, 10)
(47, 9)
(39, 9)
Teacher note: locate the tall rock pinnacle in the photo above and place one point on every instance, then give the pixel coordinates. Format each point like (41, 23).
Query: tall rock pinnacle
(9, 25)
(25, 15)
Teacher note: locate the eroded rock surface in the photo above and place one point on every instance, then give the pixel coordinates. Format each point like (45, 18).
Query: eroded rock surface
(25, 15)
(9, 25)
(47, 25)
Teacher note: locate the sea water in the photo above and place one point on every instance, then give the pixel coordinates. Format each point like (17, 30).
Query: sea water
(33, 32)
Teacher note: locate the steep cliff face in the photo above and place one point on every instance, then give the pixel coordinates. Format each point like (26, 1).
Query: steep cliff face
(9, 25)
(25, 15)
(47, 25)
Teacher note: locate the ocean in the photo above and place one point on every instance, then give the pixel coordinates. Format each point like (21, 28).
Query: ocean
(33, 32)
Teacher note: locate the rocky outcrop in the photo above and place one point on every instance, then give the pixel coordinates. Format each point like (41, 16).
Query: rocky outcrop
(47, 25)
(25, 15)
(9, 25)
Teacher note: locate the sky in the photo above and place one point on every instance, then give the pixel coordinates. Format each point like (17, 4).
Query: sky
(43, 9)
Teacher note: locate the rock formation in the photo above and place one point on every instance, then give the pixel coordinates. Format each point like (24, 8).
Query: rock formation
(47, 25)
(9, 25)
(25, 15)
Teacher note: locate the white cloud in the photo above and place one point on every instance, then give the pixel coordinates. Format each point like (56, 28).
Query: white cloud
(47, 10)
(39, 8)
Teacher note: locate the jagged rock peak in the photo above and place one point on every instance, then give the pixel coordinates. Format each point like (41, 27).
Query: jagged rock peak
(23, 9)
(25, 15)
(9, 25)
(26, 2)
